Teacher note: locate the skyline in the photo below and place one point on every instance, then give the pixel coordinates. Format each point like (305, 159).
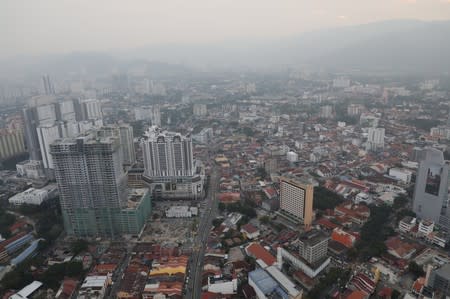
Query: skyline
(56, 27)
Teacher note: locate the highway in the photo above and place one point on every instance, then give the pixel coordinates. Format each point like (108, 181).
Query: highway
(193, 290)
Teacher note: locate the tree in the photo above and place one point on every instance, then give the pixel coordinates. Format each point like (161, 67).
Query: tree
(415, 269)
(79, 246)
(264, 220)
(400, 202)
(261, 172)
(216, 222)
(374, 232)
(6, 220)
(326, 199)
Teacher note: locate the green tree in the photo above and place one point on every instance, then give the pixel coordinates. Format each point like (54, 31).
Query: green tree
(216, 222)
(415, 269)
(326, 199)
(264, 220)
(261, 172)
(79, 246)
(400, 202)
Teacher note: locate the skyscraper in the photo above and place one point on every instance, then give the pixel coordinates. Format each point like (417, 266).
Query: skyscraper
(167, 154)
(46, 135)
(48, 86)
(313, 246)
(91, 182)
(125, 134)
(375, 139)
(431, 189)
(35, 116)
(43, 120)
(296, 201)
(169, 165)
(152, 113)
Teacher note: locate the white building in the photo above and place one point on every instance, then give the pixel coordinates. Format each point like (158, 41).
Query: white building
(91, 109)
(407, 224)
(296, 200)
(400, 174)
(181, 212)
(204, 136)
(362, 197)
(32, 169)
(354, 110)
(326, 111)
(32, 196)
(167, 154)
(220, 285)
(425, 227)
(200, 110)
(47, 134)
(292, 156)
(341, 82)
(309, 270)
(375, 139)
(151, 113)
(440, 132)
(66, 111)
(93, 287)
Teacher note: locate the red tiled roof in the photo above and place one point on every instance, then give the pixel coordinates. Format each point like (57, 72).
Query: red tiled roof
(357, 295)
(327, 223)
(259, 252)
(249, 228)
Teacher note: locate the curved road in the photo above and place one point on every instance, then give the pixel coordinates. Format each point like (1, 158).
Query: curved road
(194, 285)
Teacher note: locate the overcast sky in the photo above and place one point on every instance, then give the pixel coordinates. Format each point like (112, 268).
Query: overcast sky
(58, 26)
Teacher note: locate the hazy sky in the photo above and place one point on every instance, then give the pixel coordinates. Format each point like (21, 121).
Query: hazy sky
(55, 26)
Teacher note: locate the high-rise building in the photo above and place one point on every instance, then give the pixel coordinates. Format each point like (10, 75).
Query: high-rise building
(313, 246)
(296, 201)
(68, 117)
(151, 113)
(125, 134)
(200, 109)
(167, 154)
(431, 188)
(326, 111)
(47, 134)
(93, 190)
(375, 139)
(35, 116)
(65, 111)
(90, 109)
(48, 86)
(11, 143)
(169, 165)
(439, 279)
(354, 110)
(341, 82)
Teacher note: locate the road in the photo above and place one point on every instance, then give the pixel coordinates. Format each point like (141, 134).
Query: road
(194, 285)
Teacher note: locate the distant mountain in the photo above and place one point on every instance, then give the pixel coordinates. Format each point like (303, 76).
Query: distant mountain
(391, 46)
(399, 45)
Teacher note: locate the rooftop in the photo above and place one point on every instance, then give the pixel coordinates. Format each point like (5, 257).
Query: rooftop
(313, 237)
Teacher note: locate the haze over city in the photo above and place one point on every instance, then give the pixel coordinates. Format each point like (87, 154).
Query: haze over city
(210, 149)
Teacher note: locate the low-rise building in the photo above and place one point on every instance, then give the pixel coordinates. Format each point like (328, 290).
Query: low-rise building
(426, 227)
(407, 224)
(93, 287)
(249, 231)
(32, 196)
(343, 237)
(181, 212)
(401, 174)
